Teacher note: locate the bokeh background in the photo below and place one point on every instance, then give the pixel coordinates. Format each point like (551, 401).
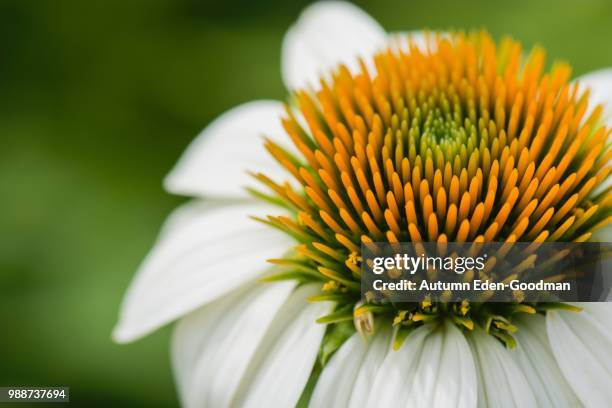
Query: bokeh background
(97, 101)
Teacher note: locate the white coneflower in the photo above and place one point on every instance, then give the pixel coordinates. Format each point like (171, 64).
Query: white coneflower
(433, 137)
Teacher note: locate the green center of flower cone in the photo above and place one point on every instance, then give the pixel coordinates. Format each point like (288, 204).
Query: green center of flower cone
(463, 141)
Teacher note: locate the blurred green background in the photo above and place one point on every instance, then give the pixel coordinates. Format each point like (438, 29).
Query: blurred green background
(97, 101)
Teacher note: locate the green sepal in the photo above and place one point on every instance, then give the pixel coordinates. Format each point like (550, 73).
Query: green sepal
(335, 275)
(521, 308)
(335, 336)
(289, 275)
(463, 321)
(401, 335)
(372, 308)
(339, 315)
(332, 297)
(301, 236)
(558, 306)
(310, 386)
(271, 199)
(505, 337)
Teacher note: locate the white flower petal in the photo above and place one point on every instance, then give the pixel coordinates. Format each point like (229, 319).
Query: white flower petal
(401, 39)
(283, 362)
(501, 383)
(536, 360)
(181, 216)
(197, 261)
(600, 84)
(217, 161)
(582, 345)
(335, 385)
(325, 35)
(434, 367)
(446, 375)
(212, 347)
(392, 383)
(425, 41)
(378, 350)
(356, 357)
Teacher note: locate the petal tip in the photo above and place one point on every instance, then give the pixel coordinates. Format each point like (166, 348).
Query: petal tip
(121, 335)
(326, 34)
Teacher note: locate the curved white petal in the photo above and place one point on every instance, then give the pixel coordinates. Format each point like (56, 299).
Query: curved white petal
(217, 161)
(600, 84)
(207, 251)
(434, 367)
(501, 383)
(392, 383)
(582, 345)
(212, 347)
(325, 35)
(401, 39)
(446, 375)
(356, 357)
(284, 360)
(375, 356)
(535, 359)
(425, 41)
(335, 385)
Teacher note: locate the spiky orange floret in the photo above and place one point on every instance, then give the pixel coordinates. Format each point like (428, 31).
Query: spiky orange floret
(464, 140)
